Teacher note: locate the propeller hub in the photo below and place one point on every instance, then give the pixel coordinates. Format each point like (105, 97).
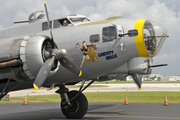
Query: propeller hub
(59, 53)
(47, 55)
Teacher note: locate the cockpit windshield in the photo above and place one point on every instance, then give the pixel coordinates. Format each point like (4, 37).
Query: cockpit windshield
(154, 35)
(79, 20)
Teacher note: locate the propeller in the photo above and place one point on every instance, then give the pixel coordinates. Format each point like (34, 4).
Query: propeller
(138, 80)
(51, 55)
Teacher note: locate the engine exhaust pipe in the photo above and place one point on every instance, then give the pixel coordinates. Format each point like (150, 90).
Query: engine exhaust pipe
(12, 63)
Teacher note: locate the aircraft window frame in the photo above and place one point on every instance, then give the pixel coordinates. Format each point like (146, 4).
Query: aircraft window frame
(94, 38)
(79, 20)
(45, 25)
(57, 25)
(109, 34)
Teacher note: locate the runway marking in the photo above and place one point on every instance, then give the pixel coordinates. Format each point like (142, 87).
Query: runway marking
(132, 117)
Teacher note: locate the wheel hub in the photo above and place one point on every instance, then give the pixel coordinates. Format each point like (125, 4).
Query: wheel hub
(73, 108)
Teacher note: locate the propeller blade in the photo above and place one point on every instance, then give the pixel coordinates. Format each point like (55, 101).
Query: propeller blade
(49, 23)
(70, 66)
(138, 79)
(43, 73)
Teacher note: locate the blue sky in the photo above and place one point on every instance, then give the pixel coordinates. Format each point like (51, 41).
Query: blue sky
(166, 12)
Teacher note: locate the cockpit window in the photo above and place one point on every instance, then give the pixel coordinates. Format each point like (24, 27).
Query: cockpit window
(79, 20)
(61, 22)
(57, 24)
(109, 33)
(45, 25)
(66, 21)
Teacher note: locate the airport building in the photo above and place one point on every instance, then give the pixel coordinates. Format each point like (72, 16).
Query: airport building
(157, 77)
(171, 78)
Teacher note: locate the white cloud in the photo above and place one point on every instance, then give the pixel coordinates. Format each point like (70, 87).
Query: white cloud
(124, 6)
(96, 16)
(10, 5)
(63, 11)
(20, 15)
(107, 8)
(87, 10)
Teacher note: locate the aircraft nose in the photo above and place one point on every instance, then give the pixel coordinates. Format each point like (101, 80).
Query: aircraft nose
(152, 35)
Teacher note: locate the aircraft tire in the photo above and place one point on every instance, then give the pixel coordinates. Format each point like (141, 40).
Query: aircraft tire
(79, 106)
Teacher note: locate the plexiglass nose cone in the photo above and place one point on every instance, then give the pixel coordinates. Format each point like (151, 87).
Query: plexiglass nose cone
(154, 35)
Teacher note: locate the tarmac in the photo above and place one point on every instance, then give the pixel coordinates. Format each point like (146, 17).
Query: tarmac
(96, 111)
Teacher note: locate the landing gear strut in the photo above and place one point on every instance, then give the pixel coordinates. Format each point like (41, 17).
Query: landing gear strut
(5, 90)
(78, 108)
(74, 104)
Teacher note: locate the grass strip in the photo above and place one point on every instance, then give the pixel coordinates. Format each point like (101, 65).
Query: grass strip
(134, 97)
(106, 97)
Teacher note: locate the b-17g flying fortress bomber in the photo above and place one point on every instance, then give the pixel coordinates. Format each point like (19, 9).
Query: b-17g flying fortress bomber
(64, 51)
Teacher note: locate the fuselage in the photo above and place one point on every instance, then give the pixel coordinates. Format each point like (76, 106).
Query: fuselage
(103, 58)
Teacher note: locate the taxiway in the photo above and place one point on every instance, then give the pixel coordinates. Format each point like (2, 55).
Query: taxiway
(96, 111)
(109, 88)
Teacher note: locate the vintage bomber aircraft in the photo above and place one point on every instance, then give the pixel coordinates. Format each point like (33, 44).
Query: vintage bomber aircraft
(65, 51)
